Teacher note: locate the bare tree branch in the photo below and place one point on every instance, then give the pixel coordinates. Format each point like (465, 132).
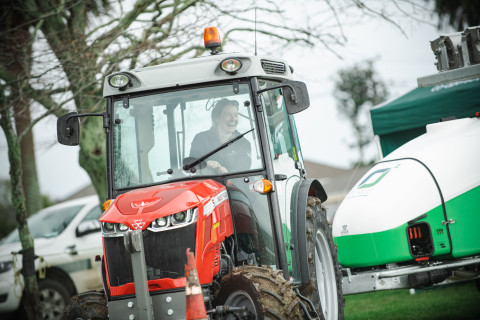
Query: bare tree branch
(362, 6)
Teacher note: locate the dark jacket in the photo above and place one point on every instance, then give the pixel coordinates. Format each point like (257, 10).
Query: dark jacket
(236, 157)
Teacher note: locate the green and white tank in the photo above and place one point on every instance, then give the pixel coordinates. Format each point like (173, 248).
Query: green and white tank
(434, 179)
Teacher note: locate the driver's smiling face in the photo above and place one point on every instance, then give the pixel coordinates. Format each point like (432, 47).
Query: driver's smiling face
(228, 120)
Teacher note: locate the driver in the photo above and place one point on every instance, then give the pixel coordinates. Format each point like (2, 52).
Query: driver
(235, 157)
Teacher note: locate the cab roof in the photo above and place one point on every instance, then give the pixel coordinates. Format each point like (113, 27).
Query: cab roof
(199, 70)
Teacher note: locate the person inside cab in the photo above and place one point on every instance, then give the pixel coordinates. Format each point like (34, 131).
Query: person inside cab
(234, 158)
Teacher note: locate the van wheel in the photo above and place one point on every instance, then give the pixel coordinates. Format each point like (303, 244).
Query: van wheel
(263, 291)
(91, 305)
(54, 297)
(325, 287)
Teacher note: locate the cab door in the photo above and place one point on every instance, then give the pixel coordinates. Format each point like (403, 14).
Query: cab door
(286, 158)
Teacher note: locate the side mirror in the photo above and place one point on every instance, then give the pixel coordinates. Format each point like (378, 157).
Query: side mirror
(296, 100)
(87, 227)
(68, 128)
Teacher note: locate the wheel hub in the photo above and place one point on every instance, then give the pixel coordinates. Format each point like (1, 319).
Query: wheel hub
(240, 298)
(52, 304)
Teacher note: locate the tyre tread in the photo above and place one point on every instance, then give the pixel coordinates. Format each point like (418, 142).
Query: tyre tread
(274, 294)
(90, 305)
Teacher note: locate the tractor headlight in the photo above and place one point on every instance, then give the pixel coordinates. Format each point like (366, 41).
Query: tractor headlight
(122, 227)
(176, 220)
(160, 222)
(231, 65)
(179, 218)
(120, 80)
(110, 229)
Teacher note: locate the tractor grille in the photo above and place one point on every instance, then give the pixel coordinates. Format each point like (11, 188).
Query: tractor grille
(272, 67)
(165, 255)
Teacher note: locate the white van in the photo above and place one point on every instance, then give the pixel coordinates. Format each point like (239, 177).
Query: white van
(67, 238)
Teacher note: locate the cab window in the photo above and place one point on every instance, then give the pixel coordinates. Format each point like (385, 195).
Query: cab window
(280, 133)
(155, 136)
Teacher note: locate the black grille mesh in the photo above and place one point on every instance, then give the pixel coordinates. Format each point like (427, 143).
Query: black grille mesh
(272, 67)
(165, 255)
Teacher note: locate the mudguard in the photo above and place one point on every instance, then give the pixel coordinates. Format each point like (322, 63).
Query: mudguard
(301, 191)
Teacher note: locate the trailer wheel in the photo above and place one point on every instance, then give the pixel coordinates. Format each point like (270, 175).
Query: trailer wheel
(325, 287)
(91, 305)
(265, 293)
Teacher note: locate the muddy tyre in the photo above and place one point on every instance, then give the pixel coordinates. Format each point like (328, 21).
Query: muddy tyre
(265, 293)
(91, 305)
(325, 287)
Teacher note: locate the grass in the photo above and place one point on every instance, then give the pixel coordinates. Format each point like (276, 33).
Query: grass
(460, 301)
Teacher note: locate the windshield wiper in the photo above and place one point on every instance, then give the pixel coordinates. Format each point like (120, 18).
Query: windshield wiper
(220, 147)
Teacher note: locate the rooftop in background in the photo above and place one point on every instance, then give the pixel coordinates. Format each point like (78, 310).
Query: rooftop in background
(88, 190)
(337, 182)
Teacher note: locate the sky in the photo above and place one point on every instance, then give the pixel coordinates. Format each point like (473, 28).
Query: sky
(324, 135)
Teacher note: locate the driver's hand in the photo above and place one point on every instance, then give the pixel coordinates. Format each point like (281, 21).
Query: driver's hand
(217, 166)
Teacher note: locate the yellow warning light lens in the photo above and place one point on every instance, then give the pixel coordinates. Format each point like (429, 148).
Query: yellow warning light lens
(107, 204)
(211, 37)
(231, 65)
(262, 186)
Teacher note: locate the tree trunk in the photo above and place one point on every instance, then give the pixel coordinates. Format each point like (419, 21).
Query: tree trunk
(29, 167)
(31, 296)
(15, 58)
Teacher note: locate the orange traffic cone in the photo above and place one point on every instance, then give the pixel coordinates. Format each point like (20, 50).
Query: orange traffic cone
(193, 291)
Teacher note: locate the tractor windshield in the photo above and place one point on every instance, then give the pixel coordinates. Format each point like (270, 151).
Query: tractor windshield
(157, 137)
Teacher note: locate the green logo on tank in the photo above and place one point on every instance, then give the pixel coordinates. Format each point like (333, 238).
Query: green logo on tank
(373, 178)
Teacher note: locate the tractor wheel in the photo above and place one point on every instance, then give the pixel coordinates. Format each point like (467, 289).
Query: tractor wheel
(325, 287)
(265, 293)
(90, 305)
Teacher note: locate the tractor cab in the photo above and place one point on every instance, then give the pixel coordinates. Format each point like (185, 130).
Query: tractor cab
(211, 131)
(204, 154)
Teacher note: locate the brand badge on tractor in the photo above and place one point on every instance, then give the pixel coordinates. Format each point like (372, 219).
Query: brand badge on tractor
(138, 224)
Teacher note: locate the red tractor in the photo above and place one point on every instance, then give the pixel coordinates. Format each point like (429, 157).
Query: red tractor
(204, 154)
